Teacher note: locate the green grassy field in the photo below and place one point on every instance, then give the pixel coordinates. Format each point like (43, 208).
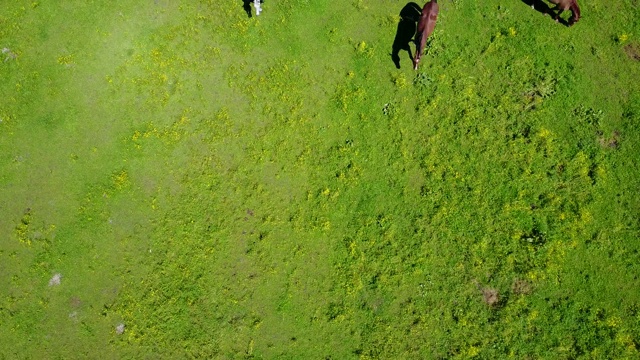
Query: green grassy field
(273, 187)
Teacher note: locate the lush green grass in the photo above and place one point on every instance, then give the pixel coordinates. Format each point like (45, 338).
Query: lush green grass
(275, 188)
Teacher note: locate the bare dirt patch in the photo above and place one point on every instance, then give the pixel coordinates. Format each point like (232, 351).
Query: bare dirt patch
(632, 51)
(490, 296)
(520, 287)
(611, 142)
(75, 302)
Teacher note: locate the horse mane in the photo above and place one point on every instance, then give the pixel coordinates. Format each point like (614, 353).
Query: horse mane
(575, 9)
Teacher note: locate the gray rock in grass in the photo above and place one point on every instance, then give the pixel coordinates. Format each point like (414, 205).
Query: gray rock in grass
(55, 280)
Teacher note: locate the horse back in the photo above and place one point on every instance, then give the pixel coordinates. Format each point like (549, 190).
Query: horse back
(563, 4)
(428, 19)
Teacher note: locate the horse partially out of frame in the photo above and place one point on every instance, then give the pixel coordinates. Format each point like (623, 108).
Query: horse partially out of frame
(425, 27)
(563, 5)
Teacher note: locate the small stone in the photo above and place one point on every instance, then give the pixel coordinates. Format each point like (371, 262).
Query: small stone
(120, 329)
(55, 280)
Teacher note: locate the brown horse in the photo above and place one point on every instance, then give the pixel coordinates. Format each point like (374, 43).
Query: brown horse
(425, 27)
(562, 5)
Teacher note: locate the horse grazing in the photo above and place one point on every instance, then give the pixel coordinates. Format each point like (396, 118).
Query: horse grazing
(562, 5)
(425, 27)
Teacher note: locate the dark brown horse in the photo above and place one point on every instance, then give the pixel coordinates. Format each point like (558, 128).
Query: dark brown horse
(562, 5)
(425, 27)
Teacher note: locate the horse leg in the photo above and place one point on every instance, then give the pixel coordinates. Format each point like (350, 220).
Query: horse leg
(246, 7)
(559, 11)
(573, 16)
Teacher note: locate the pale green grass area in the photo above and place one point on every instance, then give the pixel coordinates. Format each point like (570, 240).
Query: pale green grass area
(273, 187)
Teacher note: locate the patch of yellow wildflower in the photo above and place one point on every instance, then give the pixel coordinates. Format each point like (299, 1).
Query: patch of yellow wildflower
(66, 60)
(120, 180)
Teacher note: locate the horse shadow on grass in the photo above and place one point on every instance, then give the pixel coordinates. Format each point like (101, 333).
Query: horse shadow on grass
(247, 7)
(544, 9)
(409, 16)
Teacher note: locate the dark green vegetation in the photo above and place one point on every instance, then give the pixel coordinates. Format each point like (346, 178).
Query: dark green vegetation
(275, 188)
